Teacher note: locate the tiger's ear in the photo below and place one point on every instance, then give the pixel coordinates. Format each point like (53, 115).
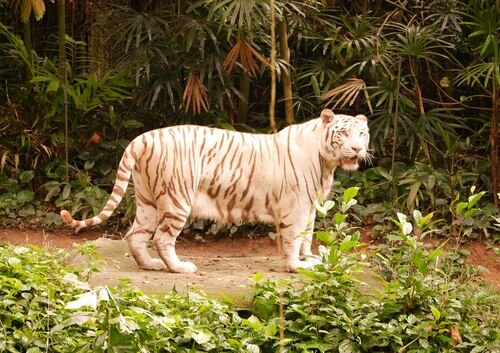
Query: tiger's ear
(361, 118)
(327, 116)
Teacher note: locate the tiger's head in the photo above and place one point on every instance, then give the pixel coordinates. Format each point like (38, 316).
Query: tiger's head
(346, 139)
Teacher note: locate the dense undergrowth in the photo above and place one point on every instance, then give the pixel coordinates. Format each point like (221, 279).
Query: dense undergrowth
(417, 187)
(403, 296)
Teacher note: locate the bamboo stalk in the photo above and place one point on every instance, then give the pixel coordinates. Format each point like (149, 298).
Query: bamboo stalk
(286, 75)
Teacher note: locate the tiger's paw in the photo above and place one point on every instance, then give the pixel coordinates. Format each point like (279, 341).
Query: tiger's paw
(313, 260)
(153, 264)
(183, 267)
(293, 266)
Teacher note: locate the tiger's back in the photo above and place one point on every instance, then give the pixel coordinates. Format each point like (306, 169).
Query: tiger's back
(228, 168)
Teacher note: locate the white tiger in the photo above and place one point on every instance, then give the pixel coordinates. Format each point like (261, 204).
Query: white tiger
(194, 171)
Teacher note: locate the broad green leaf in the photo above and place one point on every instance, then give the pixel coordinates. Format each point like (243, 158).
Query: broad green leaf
(423, 343)
(226, 126)
(420, 262)
(427, 218)
(264, 307)
(406, 227)
(471, 212)
(417, 216)
(394, 237)
(435, 253)
(66, 191)
(78, 319)
(42, 79)
(133, 124)
(350, 193)
(340, 218)
(435, 312)
(333, 256)
(103, 294)
(53, 86)
(88, 299)
(13, 261)
(25, 196)
(89, 164)
(201, 337)
(474, 199)
(125, 326)
(401, 217)
(431, 182)
(420, 220)
(105, 168)
(323, 209)
(257, 277)
(26, 176)
(252, 348)
(411, 242)
(460, 207)
(328, 205)
(123, 143)
(271, 329)
(348, 244)
(253, 322)
(325, 236)
(33, 350)
(348, 205)
(348, 346)
(20, 250)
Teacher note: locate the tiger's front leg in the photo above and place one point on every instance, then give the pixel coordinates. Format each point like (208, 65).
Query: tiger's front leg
(307, 237)
(296, 234)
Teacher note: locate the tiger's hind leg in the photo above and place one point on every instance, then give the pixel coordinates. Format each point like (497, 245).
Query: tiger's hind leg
(142, 231)
(171, 222)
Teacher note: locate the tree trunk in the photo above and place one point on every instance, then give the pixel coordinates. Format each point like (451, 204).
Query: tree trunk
(494, 145)
(61, 23)
(63, 80)
(272, 101)
(287, 82)
(28, 44)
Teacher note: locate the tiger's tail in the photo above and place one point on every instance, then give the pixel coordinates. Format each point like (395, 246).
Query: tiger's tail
(127, 164)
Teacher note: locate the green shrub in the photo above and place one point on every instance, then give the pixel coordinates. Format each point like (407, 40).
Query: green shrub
(403, 296)
(421, 303)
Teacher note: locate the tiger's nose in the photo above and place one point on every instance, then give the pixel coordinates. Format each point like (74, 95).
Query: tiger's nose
(356, 148)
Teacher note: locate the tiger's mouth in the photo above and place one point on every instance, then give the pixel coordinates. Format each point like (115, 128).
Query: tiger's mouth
(349, 160)
(350, 164)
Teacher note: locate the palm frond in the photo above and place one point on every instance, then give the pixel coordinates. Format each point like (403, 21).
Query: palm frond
(37, 7)
(247, 56)
(480, 73)
(348, 93)
(195, 94)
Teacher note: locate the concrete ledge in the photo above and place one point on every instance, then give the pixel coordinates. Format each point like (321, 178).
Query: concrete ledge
(218, 276)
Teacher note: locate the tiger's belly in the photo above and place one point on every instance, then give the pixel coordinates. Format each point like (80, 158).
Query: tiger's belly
(229, 210)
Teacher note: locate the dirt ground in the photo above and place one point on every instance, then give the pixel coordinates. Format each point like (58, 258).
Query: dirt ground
(218, 249)
(187, 245)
